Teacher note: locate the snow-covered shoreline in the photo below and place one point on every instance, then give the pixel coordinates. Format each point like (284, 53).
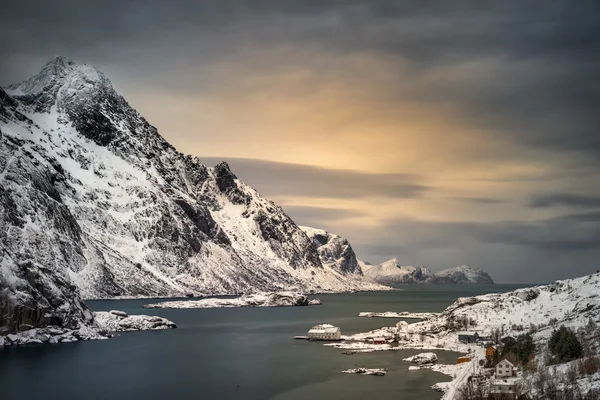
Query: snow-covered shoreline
(278, 299)
(105, 324)
(201, 296)
(392, 314)
(539, 310)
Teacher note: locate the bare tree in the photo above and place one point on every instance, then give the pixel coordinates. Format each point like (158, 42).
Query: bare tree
(471, 391)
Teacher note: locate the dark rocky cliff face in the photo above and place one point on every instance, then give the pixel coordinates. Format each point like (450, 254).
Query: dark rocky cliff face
(334, 251)
(94, 201)
(37, 297)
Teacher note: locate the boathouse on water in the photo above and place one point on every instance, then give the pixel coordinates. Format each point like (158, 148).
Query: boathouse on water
(324, 332)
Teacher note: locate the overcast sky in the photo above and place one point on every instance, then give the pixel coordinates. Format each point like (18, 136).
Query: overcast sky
(438, 132)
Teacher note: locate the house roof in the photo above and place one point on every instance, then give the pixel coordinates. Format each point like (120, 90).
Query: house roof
(324, 328)
(466, 333)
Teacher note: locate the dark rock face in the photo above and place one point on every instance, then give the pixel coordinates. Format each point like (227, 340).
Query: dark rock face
(334, 251)
(226, 182)
(37, 297)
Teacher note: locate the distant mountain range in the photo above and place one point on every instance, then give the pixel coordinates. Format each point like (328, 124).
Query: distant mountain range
(392, 273)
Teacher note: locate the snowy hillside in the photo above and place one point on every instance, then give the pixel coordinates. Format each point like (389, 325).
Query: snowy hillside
(91, 192)
(570, 302)
(391, 272)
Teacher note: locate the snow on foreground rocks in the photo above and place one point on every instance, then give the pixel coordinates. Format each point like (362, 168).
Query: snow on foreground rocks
(366, 371)
(422, 358)
(278, 299)
(118, 321)
(391, 314)
(104, 323)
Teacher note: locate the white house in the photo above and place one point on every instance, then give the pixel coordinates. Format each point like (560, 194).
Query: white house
(324, 332)
(504, 369)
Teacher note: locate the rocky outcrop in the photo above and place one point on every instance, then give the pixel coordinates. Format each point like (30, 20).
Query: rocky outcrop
(32, 296)
(422, 358)
(118, 321)
(334, 251)
(279, 299)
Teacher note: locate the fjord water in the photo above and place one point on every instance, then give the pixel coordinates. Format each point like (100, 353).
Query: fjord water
(234, 353)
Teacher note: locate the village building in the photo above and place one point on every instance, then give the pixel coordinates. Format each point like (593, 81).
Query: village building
(507, 339)
(505, 369)
(490, 352)
(504, 386)
(468, 337)
(378, 340)
(324, 332)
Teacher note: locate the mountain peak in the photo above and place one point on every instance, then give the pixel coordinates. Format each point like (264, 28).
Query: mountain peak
(60, 62)
(58, 73)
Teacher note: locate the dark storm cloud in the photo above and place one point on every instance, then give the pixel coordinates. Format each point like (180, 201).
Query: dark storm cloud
(571, 232)
(565, 199)
(297, 180)
(541, 88)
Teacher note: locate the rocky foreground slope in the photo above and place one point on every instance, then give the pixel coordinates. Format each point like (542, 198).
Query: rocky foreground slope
(94, 201)
(392, 273)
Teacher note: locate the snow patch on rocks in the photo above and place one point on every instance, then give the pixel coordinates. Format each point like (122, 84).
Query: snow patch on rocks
(121, 322)
(392, 314)
(278, 299)
(422, 358)
(104, 323)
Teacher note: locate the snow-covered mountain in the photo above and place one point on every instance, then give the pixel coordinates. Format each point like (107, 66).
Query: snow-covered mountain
(391, 272)
(462, 274)
(90, 193)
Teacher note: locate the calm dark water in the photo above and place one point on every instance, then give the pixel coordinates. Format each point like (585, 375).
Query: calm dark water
(235, 353)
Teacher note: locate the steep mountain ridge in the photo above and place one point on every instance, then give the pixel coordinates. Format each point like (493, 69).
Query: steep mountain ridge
(334, 251)
(90, 191)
